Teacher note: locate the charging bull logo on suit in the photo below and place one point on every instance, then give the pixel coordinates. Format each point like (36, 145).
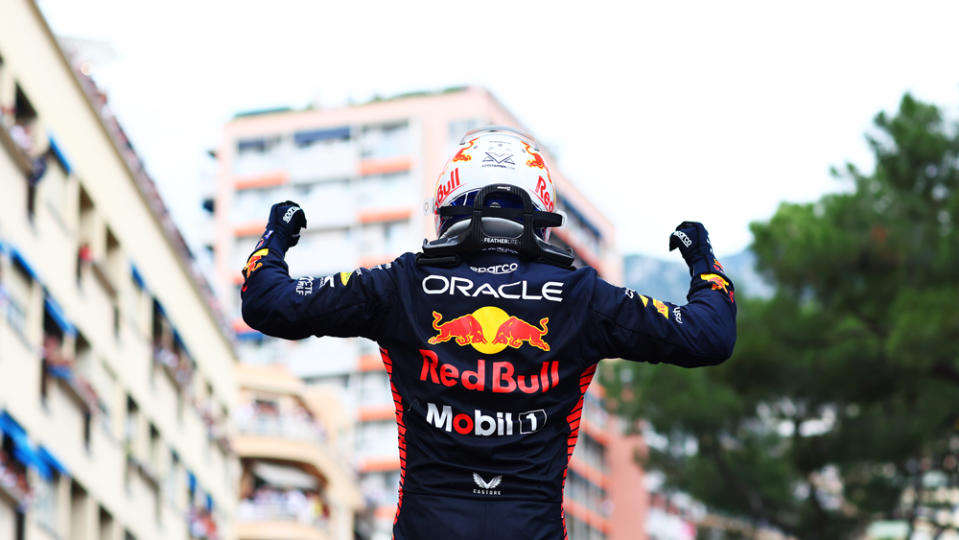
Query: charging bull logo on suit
(718, 283)
(489, 330)
(253, 263)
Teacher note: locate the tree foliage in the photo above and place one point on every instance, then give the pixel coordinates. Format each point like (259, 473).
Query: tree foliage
(843, 390)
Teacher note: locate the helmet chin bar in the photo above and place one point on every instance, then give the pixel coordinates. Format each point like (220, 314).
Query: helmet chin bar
(493, 227)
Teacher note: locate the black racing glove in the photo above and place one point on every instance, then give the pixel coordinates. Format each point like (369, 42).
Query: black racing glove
(693, 242)
(283, 227)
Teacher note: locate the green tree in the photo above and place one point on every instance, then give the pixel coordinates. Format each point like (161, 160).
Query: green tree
(843, 391)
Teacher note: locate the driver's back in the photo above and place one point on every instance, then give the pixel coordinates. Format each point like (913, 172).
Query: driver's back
(489, 362)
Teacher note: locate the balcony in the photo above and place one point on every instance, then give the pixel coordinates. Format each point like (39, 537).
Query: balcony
(283, 501)
(177, 365)
(277, 530)
(301, 428)
(63, 369)
(283, 514)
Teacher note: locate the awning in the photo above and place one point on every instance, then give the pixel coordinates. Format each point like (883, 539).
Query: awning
(61, 157)
(22, 262)
(137, 278)
(159, 307)
(191, 482)
(302, 138)
(58, 316)
(179, 341)
(52, 461)
(285, 477)
(23, 450)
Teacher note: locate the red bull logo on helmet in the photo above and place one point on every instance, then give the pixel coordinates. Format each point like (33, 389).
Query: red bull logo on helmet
(537, 161)
(462, 155)
(444, 189)
(489, 330)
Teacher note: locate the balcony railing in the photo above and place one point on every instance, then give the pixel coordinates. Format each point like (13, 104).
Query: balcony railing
(292, 505)
(64, 369)
(285, 426)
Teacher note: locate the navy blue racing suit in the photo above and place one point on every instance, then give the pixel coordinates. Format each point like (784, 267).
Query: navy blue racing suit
(488, 362)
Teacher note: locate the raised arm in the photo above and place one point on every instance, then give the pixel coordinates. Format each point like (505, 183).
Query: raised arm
(700, 333)
(345, 304)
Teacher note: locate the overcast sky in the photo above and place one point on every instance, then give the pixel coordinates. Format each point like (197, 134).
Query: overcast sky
(665, 111)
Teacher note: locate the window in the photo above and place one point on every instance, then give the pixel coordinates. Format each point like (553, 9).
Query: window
(387, 190)
(45, 499)
(172, 474)
(78, 507)
(303, 139)
(54, 360)
(105, 525)
(86, 224)
(55, 194)
(131, 427)
(114, 258)
(154, 450)
(84, 372)
(373, 388)
(385, 141)
(376, 439)
(23, 132)
(19, 288)
(259, 145)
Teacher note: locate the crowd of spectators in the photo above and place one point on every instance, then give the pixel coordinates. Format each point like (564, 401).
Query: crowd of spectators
(270, 503)
(265, 418)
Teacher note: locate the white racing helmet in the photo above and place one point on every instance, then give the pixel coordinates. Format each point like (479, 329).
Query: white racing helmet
(495, 193)
(487, 156)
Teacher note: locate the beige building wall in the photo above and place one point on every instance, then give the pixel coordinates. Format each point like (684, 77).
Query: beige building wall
(116, 379)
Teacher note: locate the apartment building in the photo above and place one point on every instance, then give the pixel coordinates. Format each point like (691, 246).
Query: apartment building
(363, 173)
(297, 481)
(116, 375)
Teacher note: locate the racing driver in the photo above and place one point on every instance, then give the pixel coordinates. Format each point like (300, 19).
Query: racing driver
(490, 338)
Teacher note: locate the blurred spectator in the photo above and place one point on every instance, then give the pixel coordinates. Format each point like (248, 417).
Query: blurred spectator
(202, 525)
(272, 503)
(13, 477)
(21, 135)
(57, 364)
